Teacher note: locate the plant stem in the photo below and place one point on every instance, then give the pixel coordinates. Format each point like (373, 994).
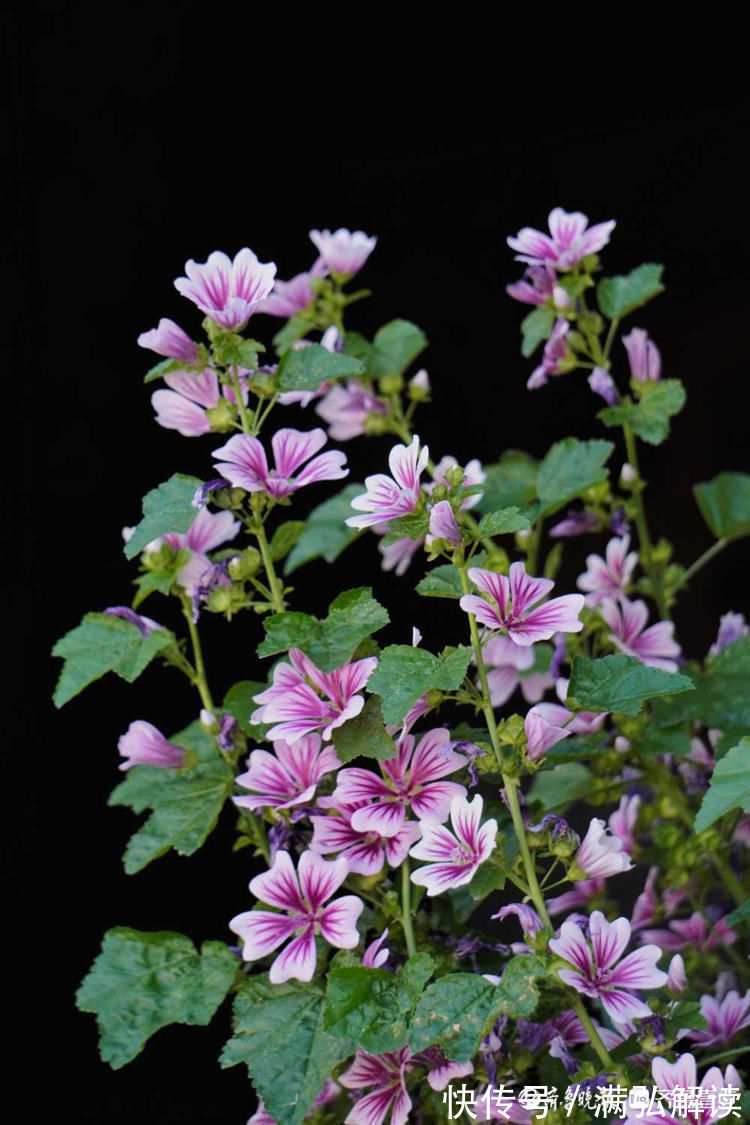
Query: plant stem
(610, 337)
(411, 944)
(594, 1036)
(731, 1054)
(244, 416)
(199, 678)
(277, 597)
(700, 562)
(644, 538)
(730, 880)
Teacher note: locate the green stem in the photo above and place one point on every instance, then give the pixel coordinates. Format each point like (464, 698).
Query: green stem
(277, 597)
(733, 1053)
(640, 520)
(261, 417)
(244, 416)
(533, 547)
(411, 944)
(700, 562)
(594, 1036)
(199, 677)
(730, 880)
(610, 338)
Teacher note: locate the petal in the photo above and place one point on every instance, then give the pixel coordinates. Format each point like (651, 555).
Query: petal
(262, 931)
(201, 387)
(437, 843)
(439, 877)
(466, 816)
(291, 448)
(557, 616)
(372, 1108)
(329, 466)
(369, 1070)
(608, 939)
(297, 961)
(385, 817)
(573, 947)
(496, 585)
(485, 613)
(355, 784)
(433, 757)
(279, 886)
(210, 529)
(681, 1073)
(638, 969)
(174, 412)
(338, 922)
(433, 802)
(525, 591)
(320, 878)
(621, 1006)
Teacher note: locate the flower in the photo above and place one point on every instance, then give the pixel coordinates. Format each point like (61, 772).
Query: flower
(622, 821)
(289, 297)
(227, 291)
(344, 252)
(303, 699)
(245, 463)
(600, 855)
(608, 579)
(365, 851)
(693, 931)
(582, 722)
(689, 1100)
(569, 240)
(374, 957)
(397, 556)
(410, 780)
(185, 407)
(654, 646)
(530, 921)
(301, 895)
(536, 287)
(541, 734)
(555, 351)
(386, 498)
(346, 407)
(453, 857)
(505, 661)
(145, 624)
(474, 475)
(287, 777)
(598, 972)
(732, 626)
(575, 523)
(602, 383)
(387, 1074)
(643, 356)
(443, 524)
(144, 745)
(676, 975)
(724, 1018)
(207, 531)
(513, 605)
(169, 340)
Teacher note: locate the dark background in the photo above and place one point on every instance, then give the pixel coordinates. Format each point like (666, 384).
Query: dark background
(134, 154)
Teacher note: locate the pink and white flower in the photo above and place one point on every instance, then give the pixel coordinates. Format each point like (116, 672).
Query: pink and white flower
(654, 646)
(453, 857)
(344, 252)
(389, 498)
(512, 604)
(443, 524)
(689, 1101)
(622, 821)
(345, 409)
(676, 975)
(505, 661)
(608, 578)
(287, 298)
(301, 895)
(601, 854)
(732, 626)
(185, 406)
(375, 956)
(397, 556)
(411, 780)
(289, 776)
(694, 931)
(302, 699)
(386, 1073)
(643, 356)
(541, 734)
(569, 240)
(555, 352)
(244, 462)
(227, 291)
(536, 287)
(143, 744)
(365, 852)
(724, 1017)
(207, 531)
(169, 340)
(598, 971)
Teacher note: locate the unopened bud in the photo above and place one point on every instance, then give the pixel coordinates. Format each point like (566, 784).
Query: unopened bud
(229, 498)
(221, 416)
(220, 599)
(263, 384)
(628, 474)
(439, 492)
(455, 476)
(390, 384)
(375, 425)
(208, 722)
(419, 387)
(245, 565)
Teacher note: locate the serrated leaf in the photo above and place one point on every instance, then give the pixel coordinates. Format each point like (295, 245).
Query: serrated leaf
(240, 703)
(102, 644)
(159, 370)
(293, 330)
(568, 469)
(560, 786)
(620, 683)
(517, 988)
(729, 787)
(279, 1035)
(365, 735)
(649, 417)
(510, 483)
(487, 878)
(741, 914)
(454, 1012)
(412, 527)
(304, 369)
(394, 347)
(152, 581)
(372, 1007)
(724, 504)
(352, 616)
(185, 803)
(721, 699)
(141, 982)
(404, 673)
(686, 1013)
(618, 296)
(535, 327)
(502, 522)
(167, 508)
(441, 582)
(284, 538)
(326, 534)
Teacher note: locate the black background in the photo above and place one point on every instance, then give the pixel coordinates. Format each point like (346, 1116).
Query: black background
(137, 150)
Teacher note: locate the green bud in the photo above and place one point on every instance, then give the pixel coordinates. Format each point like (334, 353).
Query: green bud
(434, 697)
(591, 322)
(257, 501)
(221, 416)
(455, 476)
(375, 425)
(263, 384)
(390, 384)
(245, 565)
(230, 498)
(661, 553)
(439, 492)
(220, 599)
(590, 264)
(576, 341)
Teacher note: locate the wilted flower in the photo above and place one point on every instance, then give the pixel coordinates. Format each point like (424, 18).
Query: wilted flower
(555, 351)
(374, 957)
(443, 524)
(732, 626)
(602, 383)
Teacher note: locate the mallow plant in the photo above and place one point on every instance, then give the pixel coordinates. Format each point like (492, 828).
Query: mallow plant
(425, 934)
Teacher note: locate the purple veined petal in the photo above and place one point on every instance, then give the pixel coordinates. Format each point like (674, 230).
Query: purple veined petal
(496, 585)
(338, 922)
(638, 969)
(681, 1073)
(291, 448)
(144, 744)
(210, 529)
(305, 761)
(596, 237)
(437, 844)
(262, 932)
(443, 523)
(578, 981)
(245, 452)
(566, 227)
(397, 847)
(201, 387)
(401, 1107)
(677, 977)
(279, 886)
(504, 652)
(174, 412)
(373, 957)
(524, 590)
(370, 1070)
(621, 1006)
(433, 802)
(332, 833)
(609, 939)
(297, 961)
(573, 947)
(441, 1075)
(355, 784)
(433, 757)
(328, 466)
(363, 857)
(485, 613)
(466, 817)
(385, 817)
(320, 878)
(558, 615)
(267, 776)
(532, 246)
(373, 1108)
(407, 464)
(169, 340)
(527, 916)
(439, 877)
(343, 251)
(351, 678)
(502, 682)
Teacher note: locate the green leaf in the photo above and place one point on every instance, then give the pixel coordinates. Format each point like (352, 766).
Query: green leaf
(395, 345)
(141, 982)
(502, 522)
(560, 786)
(517, 988)
(185, 803)
(729, 787)
(686, 1013)
(510, 483)
(665, 740)
(103, 644)
(620, 683)
(372, 1007)
(724, 503)
(535, 327)
(352, 616)
(741, 914)
(404, 673)
(279, 1035)
(166, 508)
(568, 469)
(159, 370)
(365, 735)
(721, 699)
(304, 369)
(441, 582)
(618, 296)
(239, 702)
(152, 581)
(284, 538)
(292, 331)
(649, 417)
(406, 527)
(326, 535)
(487, 878)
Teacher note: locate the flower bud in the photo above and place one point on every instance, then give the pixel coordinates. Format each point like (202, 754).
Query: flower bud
(628, 475)
(455, 476)
(263, 384)
(419, 387)
(221, 416)
(209, 722)
(220, 599)
(245, 565)
(390, 384)
(439, 492)
(375, 425)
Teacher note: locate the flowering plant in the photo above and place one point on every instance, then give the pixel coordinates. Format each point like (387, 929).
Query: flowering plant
(422, 907)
